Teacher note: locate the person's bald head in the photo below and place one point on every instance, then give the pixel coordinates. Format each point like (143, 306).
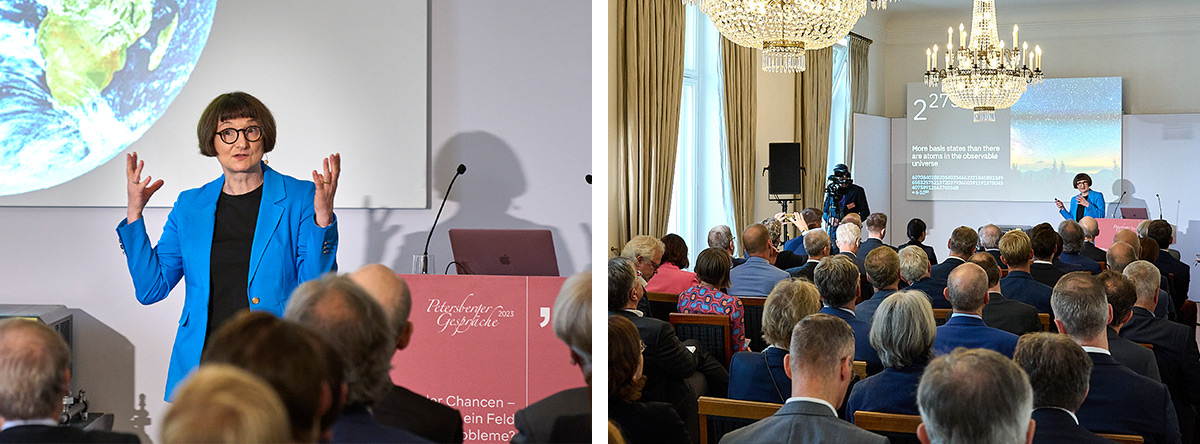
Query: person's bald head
(1090, 228)
(392, 294)
(1130, 237)
(967, 288)
(1120, 255)
(755, 240)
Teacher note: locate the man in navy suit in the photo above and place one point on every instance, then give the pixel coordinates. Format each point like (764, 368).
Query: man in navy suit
(1072, 238)
(1118, 400)
(816, 242)
(876, 225)
(811, 218)
(1012, 316)
(837, 281)
(967, 291)
(974, 396)
(1090, 230)
(989, 239)
(962, 245)
(1044, 243)
(1019, 284)
(914, 268)
(1121, 296)
(1174, 346)
(1162, 232)
(883, 270)
(848, 244)
(721, 237)
(1058, 371)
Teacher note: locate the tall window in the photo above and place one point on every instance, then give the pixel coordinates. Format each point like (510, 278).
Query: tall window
(840, 108)
(701, 197)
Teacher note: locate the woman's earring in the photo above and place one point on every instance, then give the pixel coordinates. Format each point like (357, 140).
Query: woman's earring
(265, 160)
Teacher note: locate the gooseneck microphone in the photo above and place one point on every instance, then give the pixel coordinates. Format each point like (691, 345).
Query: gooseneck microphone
(425, 255)
(1159, 205)
(1119, 199)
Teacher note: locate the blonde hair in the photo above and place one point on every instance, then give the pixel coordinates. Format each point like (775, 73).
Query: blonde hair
(1015, 248)
(221, 403)
(644, 246)
(573, 316)
(789, 302)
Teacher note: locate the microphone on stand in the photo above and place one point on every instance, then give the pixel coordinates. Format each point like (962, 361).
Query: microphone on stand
(1159, 205)
(1118, 207)
(425, 255)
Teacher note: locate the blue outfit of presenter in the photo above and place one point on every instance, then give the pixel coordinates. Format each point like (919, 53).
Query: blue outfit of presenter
(1095, 200)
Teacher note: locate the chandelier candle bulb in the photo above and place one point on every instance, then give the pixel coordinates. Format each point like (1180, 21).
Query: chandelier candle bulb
(962, 36)
(949, 36)
(1015, 37)
(935, 51)
(927, 58)
(1038, 50)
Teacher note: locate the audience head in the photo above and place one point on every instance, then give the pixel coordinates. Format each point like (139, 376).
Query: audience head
(812, 217)
(774, 231)
(816, 243)
(837, 280)
(1072, 236)
(646, 252)
(988, 263)
(292, 359)
(883, 267)
(853, 218)
(967, 288)
(1129, 237)
(822, 348)
(1058, 368)
(622, 284)
(34, 370)
(916, 230)
(721, 236)
(790, 301)
(1091, 229)
(1161, 232)
(1121, 295)
(914, 264)
(974, 396)
(675, 251)
(989, 236)
(712, 267)
(876, 223)
(220, 403)
(1149, 249)
(1141, 227)
(1015, 249)
(963, 241)
(1044, 243)
(1120, 255)
(848, 237)
(1080, 306)
(573, 320)
(1146, 280)
(756, 240)
(625, 379)
(392, 294)
(355, 325)
(903, 329)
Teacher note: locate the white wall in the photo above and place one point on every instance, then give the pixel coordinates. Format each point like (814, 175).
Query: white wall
(509, 98)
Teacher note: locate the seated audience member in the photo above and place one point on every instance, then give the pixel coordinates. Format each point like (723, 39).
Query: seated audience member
(225, 404)
(1010, 315)
(883, 271)
(355, 325)
(1043, 243)
(1162, 232)
(35, 375)
(1058, 252)
(1120, 255)
(712, 270)
(837, 282)
(647, 253)
(1090, 230)
(853, 218)
(1174, 347)
(674, 374)
(721, 237)
(1058, 371)
(565, 416)
(761, 376)
(400, 407)
(903, 333)
(848, 245)
(816, 242)
(639, 422)
(1072, 238)
(821, 368)
(785, 259)
(671, 276)
(1121, 296)
(811, 218)
(757, 276)
(294, 360)
(876, 225)
(989, 239)
(1019, 285)
(1148, 250)
(916, 235)
(974, 396)
(967, 291)
(1118, 400)
(1129, 237)
(914, 268)
(962, 245)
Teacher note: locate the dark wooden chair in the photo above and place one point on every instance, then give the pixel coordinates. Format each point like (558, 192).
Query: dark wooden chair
(1044, 318)
(1122, 439)
(719, 416)
(941, 315)
(897, 428)
(752, 317)
(710, 329)
(860, 369)
(663, 304)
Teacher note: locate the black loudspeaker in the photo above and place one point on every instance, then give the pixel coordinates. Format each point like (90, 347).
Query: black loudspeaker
(784, 168)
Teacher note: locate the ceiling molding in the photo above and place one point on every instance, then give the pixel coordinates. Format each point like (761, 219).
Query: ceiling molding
(1072, 29)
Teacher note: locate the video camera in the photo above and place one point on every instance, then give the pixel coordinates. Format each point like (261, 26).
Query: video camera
(839, 180)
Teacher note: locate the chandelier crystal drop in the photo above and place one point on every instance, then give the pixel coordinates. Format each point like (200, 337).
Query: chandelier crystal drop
(982, 74)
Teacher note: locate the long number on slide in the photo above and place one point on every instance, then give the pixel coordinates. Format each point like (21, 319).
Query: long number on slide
(931, 104)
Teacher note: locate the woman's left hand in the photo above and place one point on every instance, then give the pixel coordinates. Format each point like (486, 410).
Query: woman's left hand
(1083, 201)
(326, 188)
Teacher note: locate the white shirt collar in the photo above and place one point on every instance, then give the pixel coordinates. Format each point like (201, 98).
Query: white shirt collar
(1073, 417)
(24, 422)
(814, 260)
(969, 315)
(956, 258)
(1039, 261)
(1090, 349)
(816, 400)
(636, 312)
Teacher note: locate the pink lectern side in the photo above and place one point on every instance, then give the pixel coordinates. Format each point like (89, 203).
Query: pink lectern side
(1108, 227)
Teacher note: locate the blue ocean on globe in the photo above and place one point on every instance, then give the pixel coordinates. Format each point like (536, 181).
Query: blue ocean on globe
(80, 80)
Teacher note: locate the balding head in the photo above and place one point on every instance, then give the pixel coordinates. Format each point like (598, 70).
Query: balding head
(1120, 255)
(756, 239)
(989, 236)
(1090, 228)
(34, 370)
(392, 294)
(967, 288)
(1130, 237)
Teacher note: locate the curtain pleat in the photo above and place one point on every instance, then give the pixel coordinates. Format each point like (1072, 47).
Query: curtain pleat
(741, 100)
(814, 90)
(859, 47)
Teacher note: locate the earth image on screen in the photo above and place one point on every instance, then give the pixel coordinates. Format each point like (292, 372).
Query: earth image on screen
(80, 80)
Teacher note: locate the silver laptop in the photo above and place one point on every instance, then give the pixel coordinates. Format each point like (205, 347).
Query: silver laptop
(504, 252)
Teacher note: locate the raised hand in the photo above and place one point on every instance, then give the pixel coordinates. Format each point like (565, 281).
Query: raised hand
(139, 190)
(1060, 204)
(326, 188)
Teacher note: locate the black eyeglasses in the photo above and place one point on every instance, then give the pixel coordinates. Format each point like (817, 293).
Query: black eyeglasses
(1080, 183)
(230, 135)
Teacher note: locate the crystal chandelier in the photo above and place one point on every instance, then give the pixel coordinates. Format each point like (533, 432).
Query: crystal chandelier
(982, 74)
(784, 29)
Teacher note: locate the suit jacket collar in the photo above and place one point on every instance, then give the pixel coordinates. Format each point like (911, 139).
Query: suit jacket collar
(846, 316)
(805, 408)
(965, 320)
(1019, 274)
(996, 296)
(849, 253)
(1102, 359)
(1142, 312)
(955, 258)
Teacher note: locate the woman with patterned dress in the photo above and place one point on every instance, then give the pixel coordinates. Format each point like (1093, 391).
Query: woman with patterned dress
(712, 269)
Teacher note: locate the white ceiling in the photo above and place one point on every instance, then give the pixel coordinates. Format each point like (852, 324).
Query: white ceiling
(905, 13)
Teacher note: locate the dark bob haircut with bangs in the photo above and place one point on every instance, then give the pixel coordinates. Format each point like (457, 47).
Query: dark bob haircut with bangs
(234, 105)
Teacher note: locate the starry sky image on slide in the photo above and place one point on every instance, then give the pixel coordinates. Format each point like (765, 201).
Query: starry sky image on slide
(1069, 126)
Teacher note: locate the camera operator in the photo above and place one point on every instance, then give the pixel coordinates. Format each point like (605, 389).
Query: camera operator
(843, 197)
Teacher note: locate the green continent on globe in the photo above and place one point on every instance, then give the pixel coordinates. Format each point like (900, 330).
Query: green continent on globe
(164, 41)
(83, 42)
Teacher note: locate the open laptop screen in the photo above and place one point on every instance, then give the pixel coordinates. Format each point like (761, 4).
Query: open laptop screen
(504, 252)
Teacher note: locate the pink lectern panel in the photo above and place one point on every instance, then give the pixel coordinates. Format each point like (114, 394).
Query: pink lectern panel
(1108, 227)
(485, 346)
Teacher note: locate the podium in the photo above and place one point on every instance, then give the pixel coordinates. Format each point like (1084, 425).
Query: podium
(1108, 227)
(484, 345)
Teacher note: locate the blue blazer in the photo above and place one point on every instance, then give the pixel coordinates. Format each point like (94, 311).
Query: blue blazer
(862, 339)
(1121, 401)
(1055, 426)
(289, 248)
(934, 290)
(892, 391)
(759, 376)
(1094, 209)
(1021, 286)
(971, 332)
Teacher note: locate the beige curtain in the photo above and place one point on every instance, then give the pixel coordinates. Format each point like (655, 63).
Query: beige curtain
(740, 78)
(859, 46)
(650, 39)
(814, 88)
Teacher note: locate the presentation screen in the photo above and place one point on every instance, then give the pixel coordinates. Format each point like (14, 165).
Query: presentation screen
(1032, 151)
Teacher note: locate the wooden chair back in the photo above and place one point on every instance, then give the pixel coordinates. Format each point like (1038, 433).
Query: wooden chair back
(753, 317)
(1122, 439)
(711, 330)
(941, 315)
(719, 416)
(1044, 318)
(897, 428)
(662, 305)
(860, 369)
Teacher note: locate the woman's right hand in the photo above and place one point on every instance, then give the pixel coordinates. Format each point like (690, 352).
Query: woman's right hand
(1060, 204)
(139, 190)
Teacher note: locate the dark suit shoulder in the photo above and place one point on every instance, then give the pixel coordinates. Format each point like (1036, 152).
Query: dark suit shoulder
(536, 422)
(647, 422)
(43, 433)
(402, 408)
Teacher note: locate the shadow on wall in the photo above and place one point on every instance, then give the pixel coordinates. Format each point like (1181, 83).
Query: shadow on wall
(484, 196)
(1130, 200)
(104, 369)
